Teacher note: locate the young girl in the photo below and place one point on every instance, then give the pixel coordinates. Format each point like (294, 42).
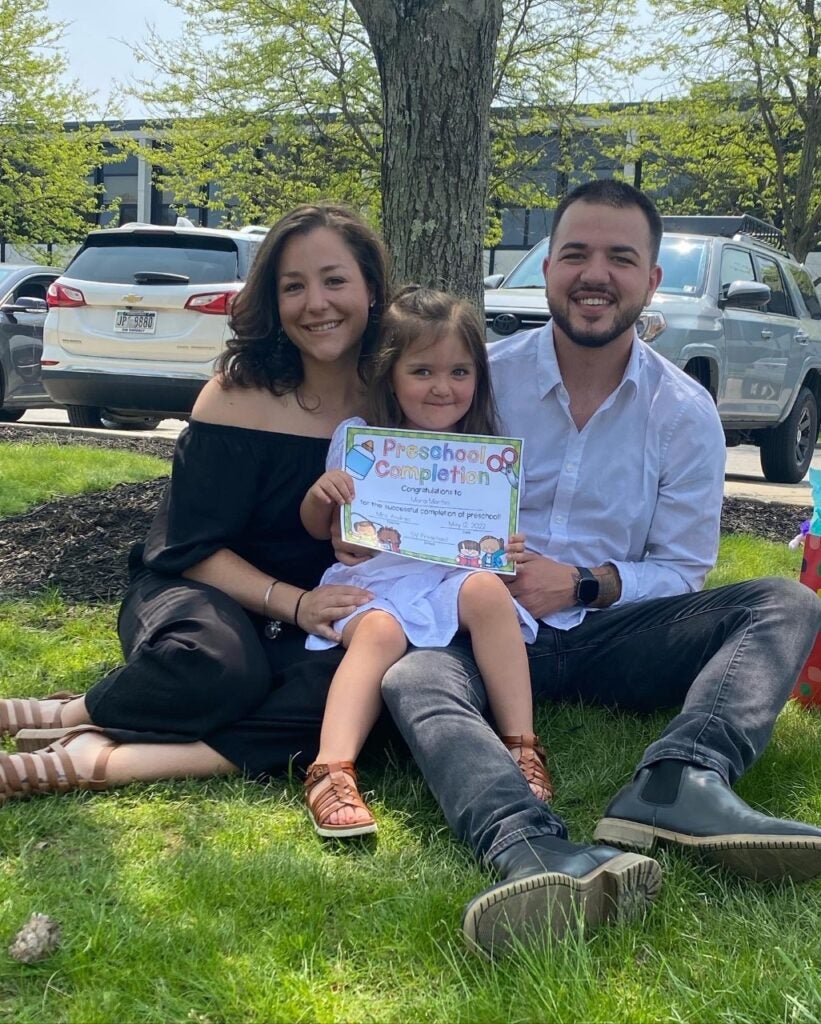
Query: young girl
(430, 372)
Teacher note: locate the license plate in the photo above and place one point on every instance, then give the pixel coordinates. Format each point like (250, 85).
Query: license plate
(126, 321)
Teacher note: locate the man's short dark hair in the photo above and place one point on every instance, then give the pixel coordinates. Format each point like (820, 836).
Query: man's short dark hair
(610, 192)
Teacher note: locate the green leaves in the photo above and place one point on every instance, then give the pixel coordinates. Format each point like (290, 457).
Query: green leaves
(46, 194)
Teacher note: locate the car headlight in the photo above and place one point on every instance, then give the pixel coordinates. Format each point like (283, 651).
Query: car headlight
(650, 325)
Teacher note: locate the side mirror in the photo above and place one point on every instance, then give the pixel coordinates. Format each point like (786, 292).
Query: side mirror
(745, 295)
(493, 281)
(26, 304)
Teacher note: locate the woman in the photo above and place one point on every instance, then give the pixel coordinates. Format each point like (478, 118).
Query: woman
(222, 593)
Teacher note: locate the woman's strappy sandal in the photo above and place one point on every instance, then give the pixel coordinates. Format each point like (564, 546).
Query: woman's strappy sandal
(58, 773)
(27, 713)
(532, 762)
(341, 792)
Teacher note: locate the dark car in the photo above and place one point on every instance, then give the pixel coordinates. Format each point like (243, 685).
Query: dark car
(22, 315)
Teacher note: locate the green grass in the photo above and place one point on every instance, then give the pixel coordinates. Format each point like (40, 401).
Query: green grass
(214, 901)
(34, 473)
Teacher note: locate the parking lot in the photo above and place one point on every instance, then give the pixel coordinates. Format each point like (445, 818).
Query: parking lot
(743, 480)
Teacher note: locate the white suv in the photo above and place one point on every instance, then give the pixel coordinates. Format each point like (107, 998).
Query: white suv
(138, 318)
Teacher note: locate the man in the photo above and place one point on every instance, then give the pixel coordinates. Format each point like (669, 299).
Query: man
(624, 466)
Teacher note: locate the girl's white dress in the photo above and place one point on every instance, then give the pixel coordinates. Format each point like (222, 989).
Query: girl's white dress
(421, 596)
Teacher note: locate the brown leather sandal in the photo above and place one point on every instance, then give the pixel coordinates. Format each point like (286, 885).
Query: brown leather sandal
(18, 713)
(532, 762)
(59, 771)
(341, 792)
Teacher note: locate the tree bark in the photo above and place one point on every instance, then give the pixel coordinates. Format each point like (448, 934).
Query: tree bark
(435, 62)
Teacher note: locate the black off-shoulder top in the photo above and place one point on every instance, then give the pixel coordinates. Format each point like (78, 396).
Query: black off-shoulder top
(240, 489)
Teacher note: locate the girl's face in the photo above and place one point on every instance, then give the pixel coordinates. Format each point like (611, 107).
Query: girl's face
(434, 383)
(323, 298)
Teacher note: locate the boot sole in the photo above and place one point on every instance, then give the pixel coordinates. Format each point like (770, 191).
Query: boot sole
(764, 858)
(528, 910)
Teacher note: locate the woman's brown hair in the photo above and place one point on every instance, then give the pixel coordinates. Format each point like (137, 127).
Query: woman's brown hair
(260, 354)
(423, 314)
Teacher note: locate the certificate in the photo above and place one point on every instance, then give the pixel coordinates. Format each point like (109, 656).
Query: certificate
(448, 498)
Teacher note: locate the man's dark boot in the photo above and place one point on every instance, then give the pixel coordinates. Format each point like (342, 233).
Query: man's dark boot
(550, 885)
(681, 803)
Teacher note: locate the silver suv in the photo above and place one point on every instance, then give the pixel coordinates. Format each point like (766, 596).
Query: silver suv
(138, 318)
(736, 312)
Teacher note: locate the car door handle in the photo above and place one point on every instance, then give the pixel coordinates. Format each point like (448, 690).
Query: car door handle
(801, 337)
(766, 334)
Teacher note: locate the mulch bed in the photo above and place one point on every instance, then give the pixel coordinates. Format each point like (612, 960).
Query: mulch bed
(80, 545)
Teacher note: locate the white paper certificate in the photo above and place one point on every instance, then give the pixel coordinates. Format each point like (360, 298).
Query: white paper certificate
(449, 498)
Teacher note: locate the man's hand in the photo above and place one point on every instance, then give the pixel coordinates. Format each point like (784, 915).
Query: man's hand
(348, 554)
(333, 487)
(542, 585)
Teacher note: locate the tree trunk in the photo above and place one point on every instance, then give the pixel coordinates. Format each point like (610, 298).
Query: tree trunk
(435, 62)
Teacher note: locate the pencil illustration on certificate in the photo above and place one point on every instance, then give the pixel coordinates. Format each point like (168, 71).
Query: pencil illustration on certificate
(449, 498)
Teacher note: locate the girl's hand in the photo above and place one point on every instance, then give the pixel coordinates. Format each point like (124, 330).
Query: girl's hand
(515, 548)
(333, 487)
(322, 606)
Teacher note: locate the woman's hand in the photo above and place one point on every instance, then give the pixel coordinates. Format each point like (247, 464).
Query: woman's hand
(321, 607)
(333, 487)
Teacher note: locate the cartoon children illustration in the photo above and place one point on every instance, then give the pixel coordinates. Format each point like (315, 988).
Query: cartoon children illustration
(493, 552)
(430, 373)
(389, 538)
(366, 533)
(469, 553)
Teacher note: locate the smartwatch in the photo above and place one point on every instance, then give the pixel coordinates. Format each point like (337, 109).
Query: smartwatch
(587, 587)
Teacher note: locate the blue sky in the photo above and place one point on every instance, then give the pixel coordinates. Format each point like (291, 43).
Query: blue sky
(95, 40)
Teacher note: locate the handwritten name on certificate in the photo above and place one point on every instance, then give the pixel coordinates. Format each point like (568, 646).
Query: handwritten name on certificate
(449, 498)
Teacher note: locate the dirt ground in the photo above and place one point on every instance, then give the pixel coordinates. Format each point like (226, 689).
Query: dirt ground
(80, 545)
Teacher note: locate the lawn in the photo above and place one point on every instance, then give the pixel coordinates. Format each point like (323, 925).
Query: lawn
(215, 902)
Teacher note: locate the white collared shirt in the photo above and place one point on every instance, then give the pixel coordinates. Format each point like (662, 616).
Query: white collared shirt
(640, 485)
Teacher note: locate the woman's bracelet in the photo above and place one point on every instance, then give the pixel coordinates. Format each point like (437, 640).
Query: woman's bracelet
(296, 609)
(271, 586)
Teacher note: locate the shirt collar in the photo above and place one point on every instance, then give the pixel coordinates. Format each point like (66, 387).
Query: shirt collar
(549, 376)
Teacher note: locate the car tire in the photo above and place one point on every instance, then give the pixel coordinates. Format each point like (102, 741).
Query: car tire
(11, 415)
(787, 450)
(114, 422)
(84, 416)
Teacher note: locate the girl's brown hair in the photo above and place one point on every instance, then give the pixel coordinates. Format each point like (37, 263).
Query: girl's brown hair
(260, 354)
(423, 314)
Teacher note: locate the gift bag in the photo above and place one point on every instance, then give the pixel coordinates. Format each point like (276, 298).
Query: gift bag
(808, 688)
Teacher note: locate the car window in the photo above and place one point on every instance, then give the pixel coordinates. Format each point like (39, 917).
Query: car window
(528, 274)
(33, 288)
(736, 265)
(117, 258)
(803, 282)
(770, 274)
(684, 264)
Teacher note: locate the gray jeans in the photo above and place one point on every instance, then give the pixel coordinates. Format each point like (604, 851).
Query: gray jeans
(729, 656)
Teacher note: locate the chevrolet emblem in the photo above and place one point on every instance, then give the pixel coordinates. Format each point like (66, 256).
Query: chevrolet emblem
(132, 298)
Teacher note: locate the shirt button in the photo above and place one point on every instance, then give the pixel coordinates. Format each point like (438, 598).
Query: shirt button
(570, 467)
(559, 519)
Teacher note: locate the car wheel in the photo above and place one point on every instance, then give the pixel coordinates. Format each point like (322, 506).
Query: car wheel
(787, 450)
(84, 416)
(116, 422)
(11, 415)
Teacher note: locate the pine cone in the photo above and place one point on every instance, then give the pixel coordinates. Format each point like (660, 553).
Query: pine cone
(36, 940)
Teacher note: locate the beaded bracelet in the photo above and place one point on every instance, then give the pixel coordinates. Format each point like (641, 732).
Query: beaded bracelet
(296, 609)
(271, 586)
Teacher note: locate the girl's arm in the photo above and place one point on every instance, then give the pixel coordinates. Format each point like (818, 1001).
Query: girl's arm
(332, 489)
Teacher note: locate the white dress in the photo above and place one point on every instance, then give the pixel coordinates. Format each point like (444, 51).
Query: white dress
(421, 596)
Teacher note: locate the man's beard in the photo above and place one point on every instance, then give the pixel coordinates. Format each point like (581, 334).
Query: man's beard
(594, 338)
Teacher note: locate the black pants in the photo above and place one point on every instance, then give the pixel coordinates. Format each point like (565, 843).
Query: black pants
(198, 667)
